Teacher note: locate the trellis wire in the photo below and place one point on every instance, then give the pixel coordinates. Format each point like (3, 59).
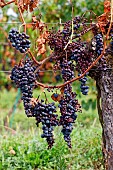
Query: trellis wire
(9, 71)
(59, 23)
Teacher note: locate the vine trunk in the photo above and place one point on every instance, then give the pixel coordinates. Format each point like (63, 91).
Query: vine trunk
(105, 110)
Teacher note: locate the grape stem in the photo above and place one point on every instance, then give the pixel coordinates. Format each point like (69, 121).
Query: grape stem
(22, 18)
(39, 63)
(91, 12)
(7, 3)
(77, 78)
(34, 59)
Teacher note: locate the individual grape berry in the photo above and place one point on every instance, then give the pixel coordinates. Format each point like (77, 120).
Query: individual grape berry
(19, 40)
(58, 78)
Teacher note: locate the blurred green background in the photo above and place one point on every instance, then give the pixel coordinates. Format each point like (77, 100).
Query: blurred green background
(23, 148)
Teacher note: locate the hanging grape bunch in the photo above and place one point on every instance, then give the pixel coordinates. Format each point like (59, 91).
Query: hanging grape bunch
(44, 113)
(24, 78)
(19, 40)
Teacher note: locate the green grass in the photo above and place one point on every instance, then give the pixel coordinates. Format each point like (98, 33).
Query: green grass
(26, 150)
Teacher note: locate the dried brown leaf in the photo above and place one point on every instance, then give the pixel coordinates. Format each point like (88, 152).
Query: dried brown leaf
(106, 6)
(2, 3)
(28, 4)
(41, 42)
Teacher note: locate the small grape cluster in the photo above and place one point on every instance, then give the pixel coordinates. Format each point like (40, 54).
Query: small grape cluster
(68, 104)
(67, 70)
(58, 40)
(99, 43)
(99, 49)
(68, 109)
(24, 77)
(76, 54)
(67, 30)
(19, 40)
(44, 113)
(84, 88)
(82, 56)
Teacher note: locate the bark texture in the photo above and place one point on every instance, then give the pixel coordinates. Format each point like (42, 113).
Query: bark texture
(105, 109)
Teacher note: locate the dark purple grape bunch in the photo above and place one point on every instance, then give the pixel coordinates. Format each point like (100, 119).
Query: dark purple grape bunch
(67, 68)
(68, 108)
(67, 30)
(44, 113)
(24, 78)
(19, 40)
(68, 104)
(76, 54)
(99, 49)
(84, 88)
(82, 56)
(99, 43)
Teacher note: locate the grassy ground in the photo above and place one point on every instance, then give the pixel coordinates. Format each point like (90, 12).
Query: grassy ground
(24, 149)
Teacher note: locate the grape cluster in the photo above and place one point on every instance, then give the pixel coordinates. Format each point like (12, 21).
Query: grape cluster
(82, 56)
(67, 70)
(99, 49)
(84, 88)
(58, 40)
(24, 77)
(68, 104)
(19, 40)
(44, 113)
(68, 109)
(76, 54)
(67, 30)
(99, 43)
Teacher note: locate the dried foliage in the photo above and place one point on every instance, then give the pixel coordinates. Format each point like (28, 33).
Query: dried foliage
(106, 6)
(28, 4)
(41, 42)
(37, 24)
(104, 18)
(2, 3)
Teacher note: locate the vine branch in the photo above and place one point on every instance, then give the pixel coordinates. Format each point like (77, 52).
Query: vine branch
(7, 3)
(22, 18)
